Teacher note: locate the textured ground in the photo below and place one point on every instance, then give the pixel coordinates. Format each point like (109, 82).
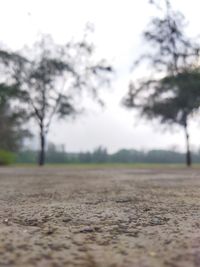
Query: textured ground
(51, 217)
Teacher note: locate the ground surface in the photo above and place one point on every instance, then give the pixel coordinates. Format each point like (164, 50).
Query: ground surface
(102, 217)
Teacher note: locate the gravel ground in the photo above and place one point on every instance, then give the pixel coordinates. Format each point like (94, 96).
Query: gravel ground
(55, 217)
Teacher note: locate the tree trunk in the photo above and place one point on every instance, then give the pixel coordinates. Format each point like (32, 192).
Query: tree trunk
(188, 153)
(41, 160)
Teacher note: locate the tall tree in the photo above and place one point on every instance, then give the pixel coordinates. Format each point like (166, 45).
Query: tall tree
(53, 78)
(175, 96)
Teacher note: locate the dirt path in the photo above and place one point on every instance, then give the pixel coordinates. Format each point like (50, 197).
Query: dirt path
(55, 217)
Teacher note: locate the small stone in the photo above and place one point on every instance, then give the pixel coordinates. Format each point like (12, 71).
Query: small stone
(6, 221)
(152, 254)
(156, 221)
(66, 219)
(49, 230)
(87, 229)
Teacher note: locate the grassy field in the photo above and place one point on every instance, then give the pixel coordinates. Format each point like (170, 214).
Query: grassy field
(111, 165)
(100, 216)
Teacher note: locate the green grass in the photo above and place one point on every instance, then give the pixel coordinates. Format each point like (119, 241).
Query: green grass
(109, 165)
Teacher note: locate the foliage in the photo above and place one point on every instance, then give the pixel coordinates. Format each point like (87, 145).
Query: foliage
(58, 156)
(6, 158)
(12, 118)
(170, 50)
(171, 99)
(100, 155)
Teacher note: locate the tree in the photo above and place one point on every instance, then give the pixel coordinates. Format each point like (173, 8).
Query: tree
(53, 78)
(176, 96)
(173, 100)
(12, 118)
(12, 115)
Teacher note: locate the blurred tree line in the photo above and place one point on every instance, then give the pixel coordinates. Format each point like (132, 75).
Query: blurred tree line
(55, 154)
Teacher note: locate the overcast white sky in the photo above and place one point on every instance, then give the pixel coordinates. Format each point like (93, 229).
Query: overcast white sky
(118, 27)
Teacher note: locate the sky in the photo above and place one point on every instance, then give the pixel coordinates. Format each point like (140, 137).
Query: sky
(118, 38)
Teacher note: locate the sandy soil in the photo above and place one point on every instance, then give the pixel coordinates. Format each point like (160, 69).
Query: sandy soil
(99, 217)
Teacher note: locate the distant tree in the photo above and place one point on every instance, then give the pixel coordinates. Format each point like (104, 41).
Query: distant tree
(54, 77)
(100, 155)
(176, 96)
(26, 156)
(128, 156)
(85, 157)
(55, 154)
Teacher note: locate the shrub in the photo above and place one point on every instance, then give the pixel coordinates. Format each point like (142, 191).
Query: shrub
(6, 157)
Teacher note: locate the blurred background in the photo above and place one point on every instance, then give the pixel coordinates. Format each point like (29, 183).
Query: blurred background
(83, 81)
